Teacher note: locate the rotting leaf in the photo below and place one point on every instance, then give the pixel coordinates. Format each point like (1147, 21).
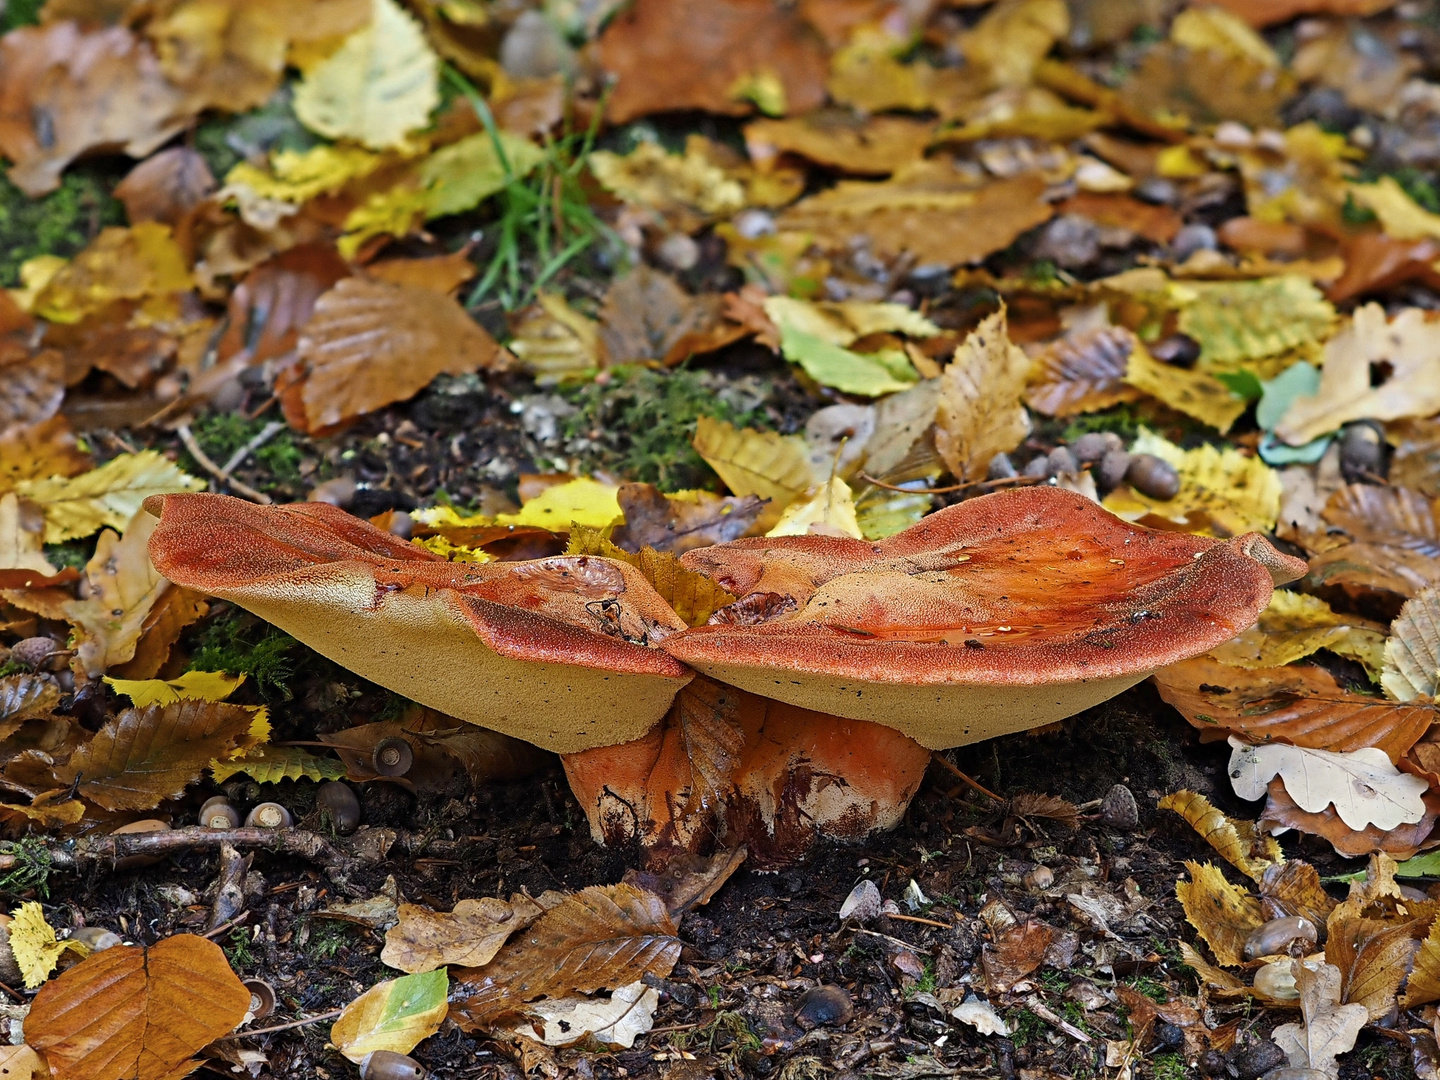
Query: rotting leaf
(980, 413)
(1223, 914)
(1412, 653)
(1015, 954)
(601, 936)
(393, 1015)
(1238, 842)
(616, 1021)
(137, 1012)
(1328, 1029)
(469, 936)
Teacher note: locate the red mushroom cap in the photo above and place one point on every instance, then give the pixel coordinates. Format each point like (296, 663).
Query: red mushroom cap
(554, 651)
(997, 614)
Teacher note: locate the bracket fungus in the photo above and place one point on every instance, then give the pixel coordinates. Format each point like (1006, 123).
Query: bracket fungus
(820, 688)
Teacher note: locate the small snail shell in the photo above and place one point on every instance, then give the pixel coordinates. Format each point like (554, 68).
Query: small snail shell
(269, 815)
(262, 998)
(1274, 937)
(393, 757)
(96, 938)
(388, 1065)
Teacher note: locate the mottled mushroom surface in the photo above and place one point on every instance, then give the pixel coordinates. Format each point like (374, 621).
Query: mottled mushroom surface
(556, 651)
(998, 614)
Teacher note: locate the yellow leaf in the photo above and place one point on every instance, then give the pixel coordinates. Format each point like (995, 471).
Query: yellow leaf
(458, 177)
(1223, 914)
(35, 274)
(552, 339)
(1412, 653)
(191, 686)
(121, 589)
(1014, 37)
(1193, 392)
(830, 511)
(981, 413)
(668, 183)
(271, 764)
(579, 502)
(33, 941)
(20, 547)
(439, 545)
(1180, 163)
(692, 596)
(763, 463)
(844, 322)
(1400, 215)
(385, 213)
(297, 176)
(378, 86)
(1222, 492)
(108, 496)
(1294, 625)
(1224, 31)
(445, 516)
(119, 264)
(392, 1015)
(1243, 846)
(1237, 322)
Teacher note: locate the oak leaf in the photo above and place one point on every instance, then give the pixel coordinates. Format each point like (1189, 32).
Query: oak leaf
(470, 935)
(1328, 1029)
(370, 343)
(616, 1021)
(599, 937)
(1281, 812)
(136, 1012)
(379, 85)
(393, 1015)
(980, 413)
(1362, 785)
(108, 496)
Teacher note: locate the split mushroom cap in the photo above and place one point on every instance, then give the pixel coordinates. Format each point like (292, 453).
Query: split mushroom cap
(555, 651)
(998, 614)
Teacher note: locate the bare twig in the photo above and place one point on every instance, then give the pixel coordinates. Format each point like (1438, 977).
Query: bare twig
(282, 1027)
(1044, 1013)
(208, 464)
(100, 850)
(268, 432)
(236, 921)
(945, 763)
(923, 922)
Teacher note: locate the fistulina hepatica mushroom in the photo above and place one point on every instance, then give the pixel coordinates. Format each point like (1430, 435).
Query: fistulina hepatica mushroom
(821, 690)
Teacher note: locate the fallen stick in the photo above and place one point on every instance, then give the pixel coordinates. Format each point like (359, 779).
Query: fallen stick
(97, 851)
(208, 464)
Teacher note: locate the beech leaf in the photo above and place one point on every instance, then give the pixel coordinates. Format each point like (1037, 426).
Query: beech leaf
(1412, 653)
(122, 587)
(392, 1015)
(137, 1012)
(470, 935)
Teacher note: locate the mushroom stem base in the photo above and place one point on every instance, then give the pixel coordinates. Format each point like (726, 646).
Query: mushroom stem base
(727, 767)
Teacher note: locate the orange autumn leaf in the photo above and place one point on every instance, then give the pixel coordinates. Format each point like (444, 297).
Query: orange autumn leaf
(1281, 812)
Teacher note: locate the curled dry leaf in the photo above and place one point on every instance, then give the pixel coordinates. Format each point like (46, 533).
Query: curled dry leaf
(1294, 888)
(1238, 842)
(1328, 1029)
(121, 590)
(980, 412)
(1362, 785)
(1223, 914)
(1374, 957)
(1412, 654)
(393, 1015)
(165, 186)
(468, 936)
(137, 1012)
(1281, 813)
(1300, 705)
(369, 343)
(1015, 954)
(1084, 373)
(1393, 540)
(647, 316)
(599, 937)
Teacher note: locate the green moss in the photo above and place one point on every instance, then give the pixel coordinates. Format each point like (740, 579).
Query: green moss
(221, 434)
(238, 643)
(60, 223)
(639, 425)
(72, 553)
(17, 13)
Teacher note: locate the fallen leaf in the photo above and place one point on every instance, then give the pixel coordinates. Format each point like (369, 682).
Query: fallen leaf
(40, 451)
(647, 316)
(1222, 492)
(693, 596)
(1294, 888)
(980, 412)
(1084, 373)
(144, 756)
(108, 496)
(1179, 87)
(1223, 914)
(460, 176)
(377, 87)
(22, 555)
(1238, 842)
(1423, 985)
(1389, 541)
(762, 463)
(585, 502)
(1375, 369)
(552, 339)
(981, 1015)
(1195, 392)
(616, 1021)
(1328, 1029)
(1412, 652)
(1294, 625)
(688, 190)
(120, 264)
(393, 1015)
(438, 273)
(688, 881)
(26, 697)
(1400, 215)
(370, 343)
(271, 764)
(1374, 958)
(121, 589)
(1282, 813)
(849, 372)
(191, 686)
(22, 1063)
(32, 939)
(680, 521)
(1260, 13)
(1241, 322)
(469, 936)
(1362, 785)
(872, 146)
(710, 56)
(1416, 463)
(1303, 706)
(844, 322)
(1015, 954)
(165, 186)
(137, 1012)
(601, 936)
(829, 512)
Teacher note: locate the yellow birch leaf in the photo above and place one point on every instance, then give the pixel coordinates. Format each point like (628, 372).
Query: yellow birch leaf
(1193, 392)
(297, 176)
(981, 413)
(379, 85)
(460, 176)
(1400, 215)
(108, 496)
(191, 686)
(693, 596)
(1223, 914)
(1294, 625)
(575, 502)
(33, 941)
(830, 511)
(1222, 492)
(1240, 843)
(762, 463)
(439, 545)
(271, 764)
(392, 1015)
(119, 264)
(1236, 322)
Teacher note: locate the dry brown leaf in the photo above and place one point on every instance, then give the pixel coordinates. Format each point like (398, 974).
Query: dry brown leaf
(1329, 1028)
(980, 413)
(166, 186)
(22, 555)
(1416, 463)
(1158, 224)
(1084, 373)
(267, 310)
(1373, 956)
(761, 463)
(647, 316)
(1200, 87)
(1238, 842)
(370, 343)
(26, 697)
(1223, 914)
(1376, 261)
(468, 936)
(22, 1063)
(714, 55)
(1294, 888)
(677, 523)
(34, 389)
(176, 609)
(688, 881)
(870, 146)
(693, 596)
(39, 451)
(144, 756)
(552, 339)
(1015, 954)
(1394, 541)
(65, 91)
(1282, 813)
(1221, 983)
(603, 936)
(438, 273)
(136, 1012)
(121, 589)
(1424, 984)
(1412, 653)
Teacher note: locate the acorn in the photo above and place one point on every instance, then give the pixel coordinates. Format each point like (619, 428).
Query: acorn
(392, 757)
(1061, 460)
(388, 1065)
(1153, 476)
(144, 825)
(217, 813)
(338, 805)
(1362, 453)
(1094, 445)
(96, 938)
(1179, 350)
(269, 815)
(262, 998)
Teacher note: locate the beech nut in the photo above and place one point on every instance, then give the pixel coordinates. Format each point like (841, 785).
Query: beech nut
(96, 938)
(388, 1065)
(262, 998)
(338, 805)
(219, 814)
(1274, 937)
(269, 815)
(393, 756)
